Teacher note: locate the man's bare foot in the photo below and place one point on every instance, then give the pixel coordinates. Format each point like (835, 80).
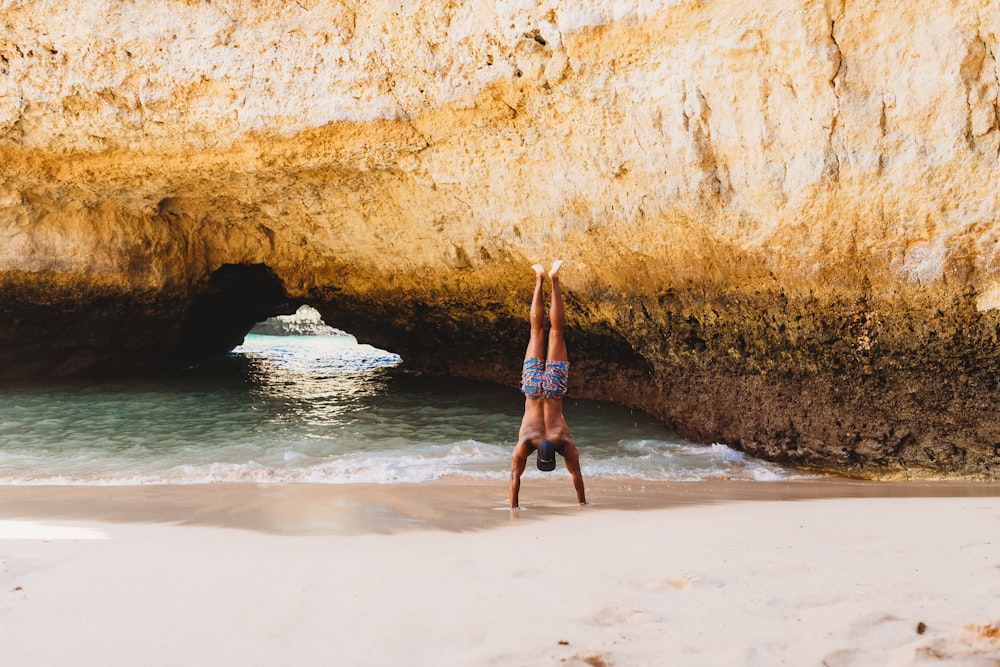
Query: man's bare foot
(539, 270)
(554, 271)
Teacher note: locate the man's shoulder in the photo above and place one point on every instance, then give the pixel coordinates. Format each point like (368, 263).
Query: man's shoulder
(530, 440)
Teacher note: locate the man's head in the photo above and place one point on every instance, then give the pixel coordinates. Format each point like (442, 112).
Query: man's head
(546, 455)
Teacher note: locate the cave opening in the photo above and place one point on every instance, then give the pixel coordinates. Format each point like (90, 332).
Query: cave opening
(235, 299)
(244, 310)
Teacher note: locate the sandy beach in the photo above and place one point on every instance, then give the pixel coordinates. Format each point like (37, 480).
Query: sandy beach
(719, 573)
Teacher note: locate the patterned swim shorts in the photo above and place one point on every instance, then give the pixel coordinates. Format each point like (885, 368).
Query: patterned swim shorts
(544, 379)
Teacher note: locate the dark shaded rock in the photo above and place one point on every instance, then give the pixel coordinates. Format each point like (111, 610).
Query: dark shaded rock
(235, 299)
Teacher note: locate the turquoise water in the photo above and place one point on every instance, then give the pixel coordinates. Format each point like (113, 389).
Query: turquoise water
(321, 409)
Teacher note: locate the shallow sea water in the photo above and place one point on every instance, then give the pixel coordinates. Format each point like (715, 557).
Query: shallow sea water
(321, 409)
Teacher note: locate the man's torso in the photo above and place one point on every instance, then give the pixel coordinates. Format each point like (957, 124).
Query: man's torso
(543, 420)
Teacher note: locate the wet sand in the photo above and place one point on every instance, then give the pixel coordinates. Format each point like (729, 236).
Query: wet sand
(452, 505)
(816, 572)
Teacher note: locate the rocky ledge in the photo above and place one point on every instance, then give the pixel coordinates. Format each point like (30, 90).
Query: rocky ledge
(780, 224)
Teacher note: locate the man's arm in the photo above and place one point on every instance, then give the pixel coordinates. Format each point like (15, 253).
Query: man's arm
(518, 461)
(572, 458)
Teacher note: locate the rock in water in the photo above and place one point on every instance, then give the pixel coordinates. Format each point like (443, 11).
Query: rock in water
(306, 321)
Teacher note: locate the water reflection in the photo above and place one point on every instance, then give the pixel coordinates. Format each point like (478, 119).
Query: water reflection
(314, 379)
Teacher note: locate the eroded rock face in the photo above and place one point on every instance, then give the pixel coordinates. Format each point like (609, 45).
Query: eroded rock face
(779, 222)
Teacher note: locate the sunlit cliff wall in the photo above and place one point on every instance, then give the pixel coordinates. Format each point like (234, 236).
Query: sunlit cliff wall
(779, 220)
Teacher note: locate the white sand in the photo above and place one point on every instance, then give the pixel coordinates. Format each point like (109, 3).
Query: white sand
(818, 582)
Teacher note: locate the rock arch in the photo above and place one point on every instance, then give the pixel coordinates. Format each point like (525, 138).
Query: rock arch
(236, 297)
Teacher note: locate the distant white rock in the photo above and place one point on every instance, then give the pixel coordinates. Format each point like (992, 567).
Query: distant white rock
(305, 322)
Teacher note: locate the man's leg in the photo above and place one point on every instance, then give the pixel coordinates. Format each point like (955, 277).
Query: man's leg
(557, 318)
(536, 344)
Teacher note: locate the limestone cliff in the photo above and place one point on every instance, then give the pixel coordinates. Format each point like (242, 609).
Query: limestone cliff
(780, 220)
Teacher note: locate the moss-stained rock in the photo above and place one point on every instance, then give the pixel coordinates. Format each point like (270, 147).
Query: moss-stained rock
(779, 220)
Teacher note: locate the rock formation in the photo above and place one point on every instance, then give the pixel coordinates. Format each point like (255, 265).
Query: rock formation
(306, 321)
(779, 219)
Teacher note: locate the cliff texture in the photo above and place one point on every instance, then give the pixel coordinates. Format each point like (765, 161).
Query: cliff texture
(779, 220)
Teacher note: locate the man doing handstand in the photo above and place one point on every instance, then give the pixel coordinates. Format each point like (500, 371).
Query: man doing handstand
(543, 382)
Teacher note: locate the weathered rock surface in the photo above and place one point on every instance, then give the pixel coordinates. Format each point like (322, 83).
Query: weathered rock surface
(780, 220)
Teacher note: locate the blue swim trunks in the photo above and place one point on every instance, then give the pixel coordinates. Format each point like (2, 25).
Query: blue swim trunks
(544, 379)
